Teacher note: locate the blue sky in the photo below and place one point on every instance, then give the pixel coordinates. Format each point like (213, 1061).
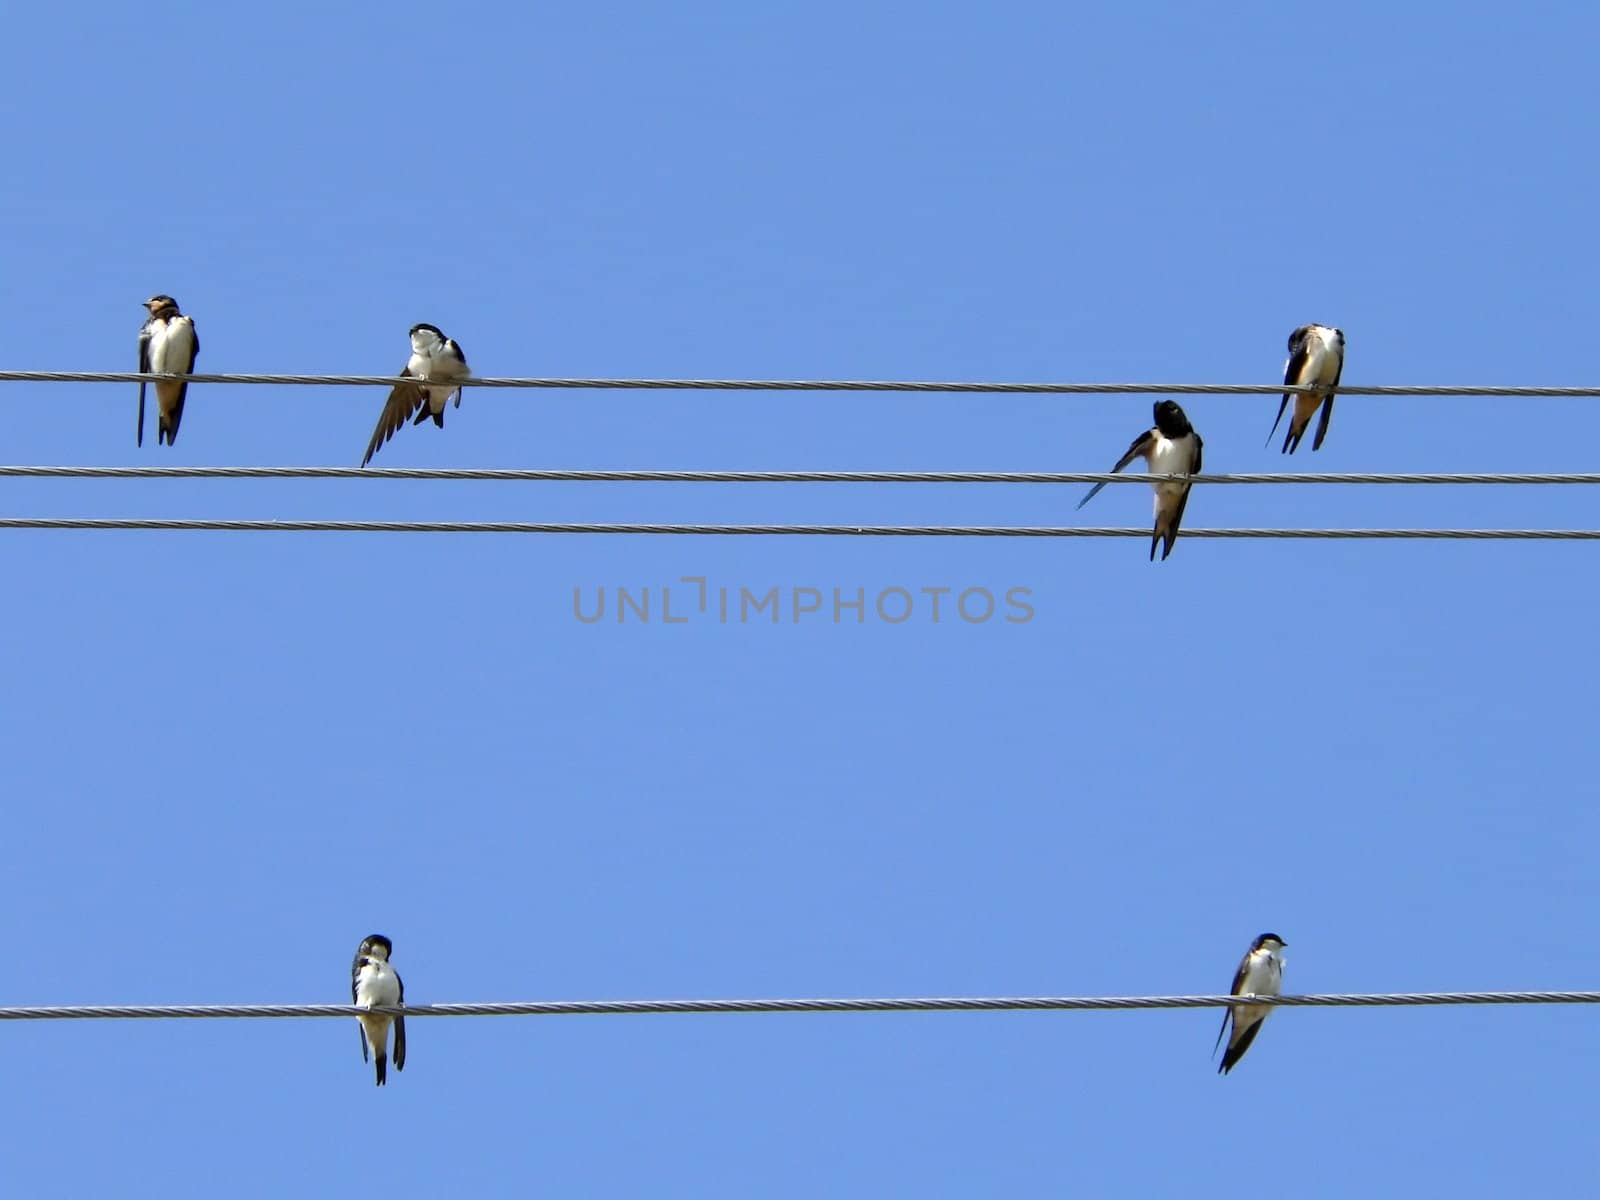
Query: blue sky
(229, 757)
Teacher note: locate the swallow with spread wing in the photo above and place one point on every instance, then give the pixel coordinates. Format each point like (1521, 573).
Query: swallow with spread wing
(1171, 447)
(432, 374)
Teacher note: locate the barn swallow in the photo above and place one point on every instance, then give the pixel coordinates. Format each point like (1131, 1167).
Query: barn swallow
(1316, 359)
(434, 359)
(1172, 447)
(1260, 973)
(168, 345)
(373, 982)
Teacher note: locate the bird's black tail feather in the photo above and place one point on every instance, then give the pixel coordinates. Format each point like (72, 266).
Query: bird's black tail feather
(169, 428)
(1322, 424)
(1167, 535)
(1283, 404)
(383, 1070)
(1235, 1052)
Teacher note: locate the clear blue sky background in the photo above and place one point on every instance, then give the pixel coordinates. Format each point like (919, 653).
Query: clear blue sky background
(229, 757)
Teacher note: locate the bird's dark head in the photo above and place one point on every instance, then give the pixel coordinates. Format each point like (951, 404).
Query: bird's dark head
(1327, 333)
(426, 328)
(1171, 420)
(375, 946)
(1268, 941)
(161, 306)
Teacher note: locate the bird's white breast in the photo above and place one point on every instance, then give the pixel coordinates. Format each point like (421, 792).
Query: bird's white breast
(1170, 458)
(425, 366)
(171, 345)
(377, 984)
(430, 361)
(1264, 975)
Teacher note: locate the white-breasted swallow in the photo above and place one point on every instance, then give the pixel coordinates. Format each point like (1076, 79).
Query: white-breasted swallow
(168, 344)
(375, 983)
(1316, 359)
(1171, 447)
(1260, 973)
(435, 359)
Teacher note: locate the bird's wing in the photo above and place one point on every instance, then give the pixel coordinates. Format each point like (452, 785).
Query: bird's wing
(194, 353)
(1176, 523)
(1183, 497)
(1236, 1050)
(1238, 976)
(400, 1029)
(144, 369)
(1233, 990)
(403, 400)
(1141, 446)
(355, 973)
(462, 355)
(1226, 1013)
(1327, 411)
(1291, 372)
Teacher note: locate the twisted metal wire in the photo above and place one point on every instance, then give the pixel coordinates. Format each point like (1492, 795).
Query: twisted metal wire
(849, 1005)
(585, 475)
(235, 525)
(810, 385)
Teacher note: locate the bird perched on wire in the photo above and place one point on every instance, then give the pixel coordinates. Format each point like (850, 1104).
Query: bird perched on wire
(1260, 973)
(435, 370)
(374, 983)
(168, 345)
(1316, 359)
(1171, 447)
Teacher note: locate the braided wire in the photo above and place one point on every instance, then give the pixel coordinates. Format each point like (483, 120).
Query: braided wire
(237, 525)
(821, 1005)
(810, 385)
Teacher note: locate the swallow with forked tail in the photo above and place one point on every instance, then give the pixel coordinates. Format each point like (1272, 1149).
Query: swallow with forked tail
(374, 983)
(1260, 973)
(1316, 360)
(1171, 447)
(168, 345)
(432, 374)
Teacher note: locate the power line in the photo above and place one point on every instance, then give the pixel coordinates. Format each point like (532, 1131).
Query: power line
(540, 1008)
(811, 385)
(231, 525)
(585, 475)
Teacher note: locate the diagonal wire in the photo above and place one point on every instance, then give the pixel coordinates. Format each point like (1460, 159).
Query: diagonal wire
(853, 1005)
